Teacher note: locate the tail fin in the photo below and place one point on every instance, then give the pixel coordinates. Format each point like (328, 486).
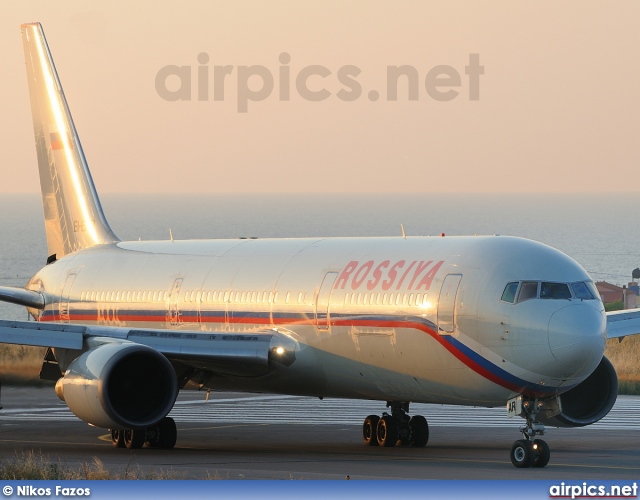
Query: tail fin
(72, 212)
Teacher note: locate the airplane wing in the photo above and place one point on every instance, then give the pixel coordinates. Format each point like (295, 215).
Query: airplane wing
(247, 354)
(621, 324)
(22, 297)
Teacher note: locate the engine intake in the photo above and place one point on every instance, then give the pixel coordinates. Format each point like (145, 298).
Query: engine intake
(119, 386)
(590, 400)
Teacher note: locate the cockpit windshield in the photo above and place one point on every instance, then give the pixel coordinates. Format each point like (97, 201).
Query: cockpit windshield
(554, 291)
(519, 291)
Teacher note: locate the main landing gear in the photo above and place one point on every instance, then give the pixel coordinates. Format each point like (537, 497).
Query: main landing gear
(397, 427)
(161, 435)
(530, 451)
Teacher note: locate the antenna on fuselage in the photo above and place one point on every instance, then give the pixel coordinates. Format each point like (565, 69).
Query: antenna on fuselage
(404, 236)
(170, 235)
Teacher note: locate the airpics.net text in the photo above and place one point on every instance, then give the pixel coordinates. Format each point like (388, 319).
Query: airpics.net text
(313, 83)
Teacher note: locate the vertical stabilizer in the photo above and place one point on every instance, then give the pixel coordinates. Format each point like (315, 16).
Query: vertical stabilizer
(72, 213)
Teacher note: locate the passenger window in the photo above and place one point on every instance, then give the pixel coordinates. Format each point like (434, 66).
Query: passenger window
(509, 293)
(555, 291)
(581, 291)
(528, 290)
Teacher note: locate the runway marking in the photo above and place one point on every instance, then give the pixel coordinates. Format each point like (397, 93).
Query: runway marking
(230, 426)
(232, 400)
(280, 409)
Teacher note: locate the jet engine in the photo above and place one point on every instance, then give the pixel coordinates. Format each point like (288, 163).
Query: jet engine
(590, 400)
(119, 386)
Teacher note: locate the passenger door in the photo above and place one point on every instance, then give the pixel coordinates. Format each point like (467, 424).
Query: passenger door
(447, 304)
(65, 298)
(323, 299)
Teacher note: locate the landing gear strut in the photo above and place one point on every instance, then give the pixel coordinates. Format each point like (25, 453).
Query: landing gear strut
(530, 451)
(161, 435)
(396, 427)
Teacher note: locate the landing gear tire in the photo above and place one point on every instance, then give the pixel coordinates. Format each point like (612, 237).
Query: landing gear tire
(134, 438)
(530, 451)
(167, 433)
(419, 431)
(117, 438)
(541, 453)
(370, 430)
(388, 431)
(522, 454)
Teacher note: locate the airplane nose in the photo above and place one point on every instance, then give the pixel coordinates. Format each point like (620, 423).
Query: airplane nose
(577, 335)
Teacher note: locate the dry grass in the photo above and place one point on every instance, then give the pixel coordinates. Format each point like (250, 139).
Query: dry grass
(625, 357)
(35, 466)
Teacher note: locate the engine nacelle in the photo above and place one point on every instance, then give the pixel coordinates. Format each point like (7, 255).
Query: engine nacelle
(590, 400)
(119, 386)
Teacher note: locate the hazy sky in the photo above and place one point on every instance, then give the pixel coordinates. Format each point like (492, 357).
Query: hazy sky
(557, 107)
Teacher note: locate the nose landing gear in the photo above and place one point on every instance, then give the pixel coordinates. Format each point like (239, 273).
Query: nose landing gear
(396, 427)
(530, 451)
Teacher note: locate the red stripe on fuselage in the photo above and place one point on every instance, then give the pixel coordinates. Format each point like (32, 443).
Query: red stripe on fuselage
(480, 370)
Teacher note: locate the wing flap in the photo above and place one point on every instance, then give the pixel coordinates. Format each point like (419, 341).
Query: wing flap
(42, 334)
(243, 354)
(623, 323)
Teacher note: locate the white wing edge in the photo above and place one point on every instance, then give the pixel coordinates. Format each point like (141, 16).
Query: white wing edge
(623, 323)
(238, 354)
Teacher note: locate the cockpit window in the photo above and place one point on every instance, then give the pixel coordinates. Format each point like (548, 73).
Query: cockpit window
(555, 291)
(525, 290)
(582, 291)
(528, 290)
(594, 290)
(509, 294)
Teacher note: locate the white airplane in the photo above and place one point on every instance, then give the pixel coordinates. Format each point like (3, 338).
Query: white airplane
(480, 321)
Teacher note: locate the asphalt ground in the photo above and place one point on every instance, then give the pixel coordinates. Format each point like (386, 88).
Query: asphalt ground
(247, 436)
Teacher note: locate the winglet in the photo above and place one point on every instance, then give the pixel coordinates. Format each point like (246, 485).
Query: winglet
(72, 211)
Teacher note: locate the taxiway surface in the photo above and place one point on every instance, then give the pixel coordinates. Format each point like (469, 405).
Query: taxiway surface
(247, 436)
